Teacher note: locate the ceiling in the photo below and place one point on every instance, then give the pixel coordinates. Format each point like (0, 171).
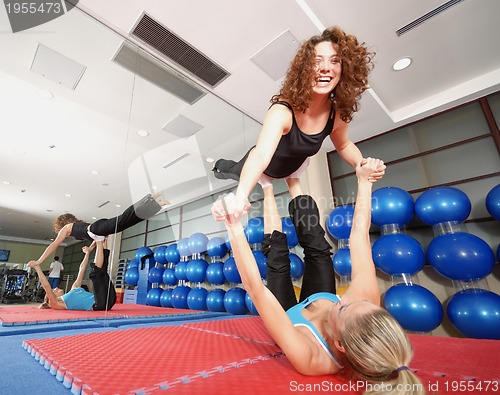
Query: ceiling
(51, 147)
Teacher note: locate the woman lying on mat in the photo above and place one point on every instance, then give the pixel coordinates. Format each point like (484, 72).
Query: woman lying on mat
(67, 225)
(104, 295)
(322, 333)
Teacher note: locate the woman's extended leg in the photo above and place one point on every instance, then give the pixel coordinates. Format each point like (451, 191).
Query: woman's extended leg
(319, 275)
(147, 207)
(104, 290)
(275, 248)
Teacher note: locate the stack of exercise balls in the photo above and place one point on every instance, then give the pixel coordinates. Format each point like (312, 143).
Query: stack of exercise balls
(338, 225)
(463, 258)
(216, 250)
(492, 203)
(401, 257)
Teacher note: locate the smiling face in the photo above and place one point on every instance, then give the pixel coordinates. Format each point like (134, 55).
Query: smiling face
(328, 68)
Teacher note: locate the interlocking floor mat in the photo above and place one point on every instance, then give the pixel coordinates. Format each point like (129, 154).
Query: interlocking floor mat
(237, 356)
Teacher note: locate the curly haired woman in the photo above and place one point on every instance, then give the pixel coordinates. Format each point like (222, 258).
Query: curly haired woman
(319, 96)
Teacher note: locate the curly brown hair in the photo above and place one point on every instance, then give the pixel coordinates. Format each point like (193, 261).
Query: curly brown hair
(356, 63)
(63, 220)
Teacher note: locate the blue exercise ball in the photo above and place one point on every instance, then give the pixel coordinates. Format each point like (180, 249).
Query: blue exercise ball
(183, 247)
(132, 276)
(296, 266)
(442, 204)
(159, 254)
(172, 254)
(143, 251)
(475, 313)
(215, 273)
(234, 301)
(342, 262)
(398, 253)
(339, 222)
(261, 260)
(179, 296)
(166, 298)
(461, 256)
(197, 243)
(231, 271)
(196, 270)
(391, 205)
(215, 300)
(197, 299)
(415, 308)
(155, 275)
(289, 230)
(133, 263)
(169, 277)
(250, 306)
(493, 202)
(228, 243)
(153, 297)
(254, 231)
(216, 247)
(180, 270)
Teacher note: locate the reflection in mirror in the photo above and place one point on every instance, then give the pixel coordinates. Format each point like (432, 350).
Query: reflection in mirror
(93, 141)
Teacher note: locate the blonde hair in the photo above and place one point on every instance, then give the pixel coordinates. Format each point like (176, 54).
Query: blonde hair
(378, 350)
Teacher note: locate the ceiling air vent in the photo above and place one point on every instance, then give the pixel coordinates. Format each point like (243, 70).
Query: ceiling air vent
(167, 43)
(149, 68)
(429, 15)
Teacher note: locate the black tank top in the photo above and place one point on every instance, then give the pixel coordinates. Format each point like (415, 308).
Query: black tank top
(79, 231)
(296, 146)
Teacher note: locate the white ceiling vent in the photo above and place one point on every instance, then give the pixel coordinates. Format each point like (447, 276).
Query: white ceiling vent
(429, 15)
(173, 47)
(57, 67)
(274, 59)
(149, 68)
(182, 126)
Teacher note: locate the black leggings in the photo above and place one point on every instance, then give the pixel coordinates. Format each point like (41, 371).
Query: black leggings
(226, 169)
(104, 290)
(319, 275)
(143, 209)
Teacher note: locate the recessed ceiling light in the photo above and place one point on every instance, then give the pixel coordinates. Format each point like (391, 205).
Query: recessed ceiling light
(6, 182)
(94, 172)
(142, 133)
(46, 94)
(401, 64)
(67, 194)
(210, 160)
(118, 205)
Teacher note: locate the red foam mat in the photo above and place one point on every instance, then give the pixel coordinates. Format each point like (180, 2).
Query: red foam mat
(22, 315)
(238, 356)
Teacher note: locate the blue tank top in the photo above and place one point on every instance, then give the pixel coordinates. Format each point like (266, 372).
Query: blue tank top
(78, 299)
(296, 146)
(295, 315)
